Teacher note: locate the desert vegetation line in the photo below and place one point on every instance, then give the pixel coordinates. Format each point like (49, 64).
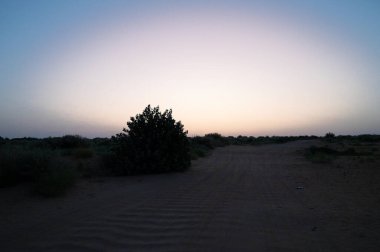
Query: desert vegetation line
(152, 142)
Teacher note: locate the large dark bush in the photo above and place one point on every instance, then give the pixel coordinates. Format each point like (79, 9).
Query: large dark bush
(153, 143)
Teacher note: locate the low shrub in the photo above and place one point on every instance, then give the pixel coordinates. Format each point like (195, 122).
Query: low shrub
(198, 151)
(326, 154)
(21, 165)
(55, 180)
(216, 139)
(201, 141)
(41, 167)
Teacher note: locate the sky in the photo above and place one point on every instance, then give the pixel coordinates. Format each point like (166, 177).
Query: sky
(235, 67)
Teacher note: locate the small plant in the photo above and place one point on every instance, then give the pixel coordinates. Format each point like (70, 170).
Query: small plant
(330, 137)
(197, 151)
(202, 146)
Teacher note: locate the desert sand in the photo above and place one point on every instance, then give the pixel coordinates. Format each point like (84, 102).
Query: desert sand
(240, 198)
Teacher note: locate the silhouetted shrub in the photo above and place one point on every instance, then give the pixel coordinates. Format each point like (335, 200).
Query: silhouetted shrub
(153, 143)
(202, 146)
(216, 139)
(197, 151)
(203, 141)
(214, 135)
(330, 137)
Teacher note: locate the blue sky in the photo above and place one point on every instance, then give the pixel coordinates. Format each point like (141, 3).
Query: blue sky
(236, 67)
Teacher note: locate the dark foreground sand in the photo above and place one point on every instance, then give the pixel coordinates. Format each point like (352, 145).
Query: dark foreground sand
(265, 198)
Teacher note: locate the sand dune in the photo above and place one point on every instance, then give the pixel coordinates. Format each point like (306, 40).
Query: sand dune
(264, 198)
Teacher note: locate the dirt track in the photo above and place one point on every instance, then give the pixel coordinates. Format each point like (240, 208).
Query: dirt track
(265, 198)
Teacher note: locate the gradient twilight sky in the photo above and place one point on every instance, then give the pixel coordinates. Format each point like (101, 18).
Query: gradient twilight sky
(286, 67)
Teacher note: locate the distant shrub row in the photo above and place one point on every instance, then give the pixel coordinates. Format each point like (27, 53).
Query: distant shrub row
(67, 142)
(153, 142)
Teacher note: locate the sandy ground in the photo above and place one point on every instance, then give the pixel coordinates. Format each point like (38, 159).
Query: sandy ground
(264, 198)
